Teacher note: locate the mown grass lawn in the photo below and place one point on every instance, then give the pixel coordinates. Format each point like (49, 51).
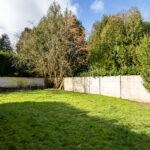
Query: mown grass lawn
(54, 120)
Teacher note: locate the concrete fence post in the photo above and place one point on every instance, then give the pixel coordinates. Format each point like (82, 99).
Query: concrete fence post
(89, 85)
(73, 84)
(126, 87)
(100, 85)
(84, 85)
(120, 87)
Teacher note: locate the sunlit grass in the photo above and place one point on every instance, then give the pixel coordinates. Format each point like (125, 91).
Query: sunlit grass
(55, 120)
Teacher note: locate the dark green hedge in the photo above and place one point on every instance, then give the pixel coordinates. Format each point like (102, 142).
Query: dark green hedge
(7, 67)
(143, 53)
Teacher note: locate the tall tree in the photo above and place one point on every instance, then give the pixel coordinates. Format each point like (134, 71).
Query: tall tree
(94, 39)
(143, 53)
(5, 44)
(77, 50)
(115, 49)
(50, 47)
(134, 34)
(23, 38)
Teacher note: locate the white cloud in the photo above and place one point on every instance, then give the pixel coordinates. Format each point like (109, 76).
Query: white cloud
(16, 14)
(97, 6)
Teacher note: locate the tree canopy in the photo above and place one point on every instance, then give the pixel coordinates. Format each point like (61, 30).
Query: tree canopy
(5, 44)
(143, 53)
(55, 48)
(112, 44)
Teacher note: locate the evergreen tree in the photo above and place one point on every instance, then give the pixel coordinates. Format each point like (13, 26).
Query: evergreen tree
(53, 48)
(5, 44)
(22, 39)
(143, 54)
(94, 40)
(77, 50)
(113, 50)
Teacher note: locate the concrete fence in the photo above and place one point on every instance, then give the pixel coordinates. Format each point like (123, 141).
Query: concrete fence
(126, 87)
(17, 82)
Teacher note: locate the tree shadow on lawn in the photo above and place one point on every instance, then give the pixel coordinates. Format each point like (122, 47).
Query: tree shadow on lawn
(13, 90)
(59, 126)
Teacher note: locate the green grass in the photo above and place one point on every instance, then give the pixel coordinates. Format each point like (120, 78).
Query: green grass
(53, 120)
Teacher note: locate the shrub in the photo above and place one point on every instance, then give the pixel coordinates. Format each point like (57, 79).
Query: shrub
(7, 67)
(143, 53)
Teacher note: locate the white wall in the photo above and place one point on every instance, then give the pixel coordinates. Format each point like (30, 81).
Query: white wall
(132, 88)
(17, 82)
(94, 85)
(110, 86)
(68, 84)
(87, 84)
(78, 85)
(127, 87)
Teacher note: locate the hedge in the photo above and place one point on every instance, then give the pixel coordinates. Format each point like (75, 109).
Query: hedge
(7, 67)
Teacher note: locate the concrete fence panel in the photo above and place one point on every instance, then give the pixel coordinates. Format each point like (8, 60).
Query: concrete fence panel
(110, 86)
(78, 84)
(17, 82)
(127, 87)
(132, 88)
(87, 84)
(68, 84)
(94, 85)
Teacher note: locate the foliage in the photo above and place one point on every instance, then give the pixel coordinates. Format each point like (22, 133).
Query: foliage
(114, 50)
(77, 51)
(56, 120)
(146, 26)
(97, 71)
(7, 68)
(143, 53)
(56, 47)
(22, 39)
(5, 44)
(95, 39)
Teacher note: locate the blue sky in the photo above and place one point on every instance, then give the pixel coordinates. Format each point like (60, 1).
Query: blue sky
(15, 15)
(88, 15)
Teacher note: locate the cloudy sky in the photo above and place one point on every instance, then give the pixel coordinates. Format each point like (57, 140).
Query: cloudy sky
(17, 14)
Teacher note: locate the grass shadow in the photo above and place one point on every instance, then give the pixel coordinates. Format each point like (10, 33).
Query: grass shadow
(59, 126)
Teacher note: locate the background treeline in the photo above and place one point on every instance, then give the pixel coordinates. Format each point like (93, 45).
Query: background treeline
(7, 67)
(55, 48)
(120, 45)
(7, 58)
(113, 44)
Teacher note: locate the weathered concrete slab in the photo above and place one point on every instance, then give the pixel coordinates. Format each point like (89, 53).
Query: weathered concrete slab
(78, 84)
(132, 88)
(68, 84)
(95, 85)
(110, 86)
(17, 82)
(127, 87)
(87, 84)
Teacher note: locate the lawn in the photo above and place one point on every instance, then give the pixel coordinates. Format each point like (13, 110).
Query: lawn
(55, 120)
